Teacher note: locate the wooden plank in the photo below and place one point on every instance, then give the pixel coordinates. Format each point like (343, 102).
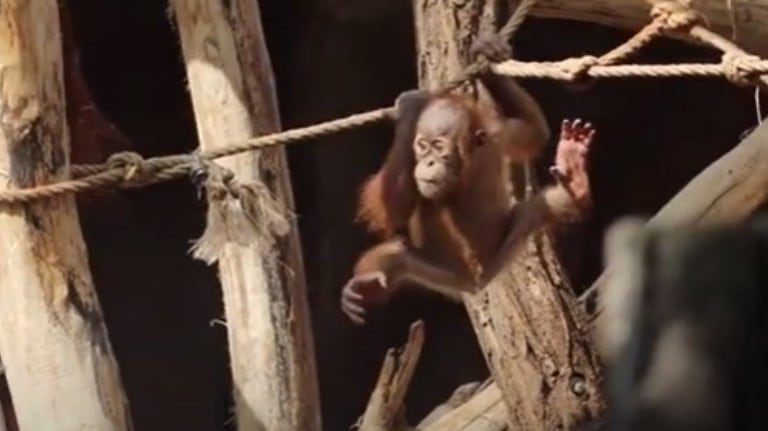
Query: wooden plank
(691, 306)
(534, 346)
(54, 343)
(270, 340)
(743, 21)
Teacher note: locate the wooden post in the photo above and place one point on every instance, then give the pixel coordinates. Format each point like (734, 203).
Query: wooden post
(53, 341)
(270, 340)
(535, 347)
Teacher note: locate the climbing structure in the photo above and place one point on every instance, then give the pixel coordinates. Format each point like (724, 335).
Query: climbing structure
(129, 170)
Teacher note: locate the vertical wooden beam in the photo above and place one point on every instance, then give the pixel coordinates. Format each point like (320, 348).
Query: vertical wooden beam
(54, 344)
(533, 343)
(270, 340)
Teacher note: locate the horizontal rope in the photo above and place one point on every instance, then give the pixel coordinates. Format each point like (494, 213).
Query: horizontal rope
(170, 167)
(737, 66)
(564, 71)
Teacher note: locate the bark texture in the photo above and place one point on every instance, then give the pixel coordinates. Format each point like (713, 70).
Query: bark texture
(58, 360)
(270, 339)
(536, 349)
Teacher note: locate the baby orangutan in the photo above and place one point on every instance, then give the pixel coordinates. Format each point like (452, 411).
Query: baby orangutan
(441, 200)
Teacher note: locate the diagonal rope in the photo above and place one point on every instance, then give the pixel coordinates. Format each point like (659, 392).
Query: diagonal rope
(516, 20)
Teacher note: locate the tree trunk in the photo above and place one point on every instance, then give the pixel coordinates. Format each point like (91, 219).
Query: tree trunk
(268, 323)
(534, 346)
(743, 21)
(54, 344)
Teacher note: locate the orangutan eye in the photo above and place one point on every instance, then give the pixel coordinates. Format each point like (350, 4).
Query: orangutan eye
(421, 146)
(439, 146)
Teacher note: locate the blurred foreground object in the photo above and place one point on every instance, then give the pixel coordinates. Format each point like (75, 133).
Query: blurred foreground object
(684, 333)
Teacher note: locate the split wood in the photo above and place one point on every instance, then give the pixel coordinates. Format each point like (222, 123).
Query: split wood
(385, 408)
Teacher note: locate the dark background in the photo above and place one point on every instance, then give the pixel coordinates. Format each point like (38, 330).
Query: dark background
(333, 58)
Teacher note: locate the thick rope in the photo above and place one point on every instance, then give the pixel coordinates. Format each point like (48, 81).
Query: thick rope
(736, 62)
(171, 167)
(507, 31)
(516, 20)
(740, 68)
(736, 65)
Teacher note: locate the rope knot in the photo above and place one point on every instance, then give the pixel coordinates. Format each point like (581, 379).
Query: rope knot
(675, 16)
(741, 69)
(481, 66)
(134, 165)
(215, 179)
(239, 214)
(577, 68)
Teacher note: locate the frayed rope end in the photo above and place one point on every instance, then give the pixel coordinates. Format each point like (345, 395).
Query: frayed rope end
(238, 214)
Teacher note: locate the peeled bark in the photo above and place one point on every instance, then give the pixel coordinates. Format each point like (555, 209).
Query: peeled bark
(233, 96)
(58, 360)
(524, 320)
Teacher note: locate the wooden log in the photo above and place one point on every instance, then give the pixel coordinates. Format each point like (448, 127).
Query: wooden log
(534, 345)
(385, 410)
(728, 190)
(693, 310)
(743, 21)
(461, 395)
(484, 410)
(54, 344)
(270, 340)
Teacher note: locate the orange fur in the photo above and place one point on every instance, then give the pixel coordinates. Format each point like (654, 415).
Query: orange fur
(371, 209)
(384, 214)
(460, 233)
